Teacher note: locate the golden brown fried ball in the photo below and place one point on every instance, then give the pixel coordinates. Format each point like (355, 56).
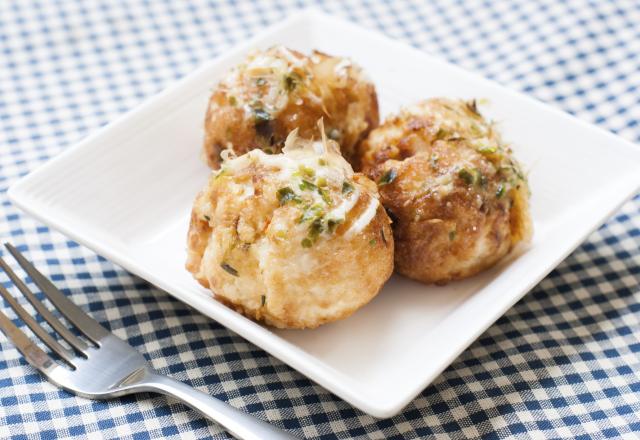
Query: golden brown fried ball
(456, 195)
(278, 90)
(295, 239)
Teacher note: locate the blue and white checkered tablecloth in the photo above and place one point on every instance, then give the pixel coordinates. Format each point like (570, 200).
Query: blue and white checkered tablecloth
(563, 363)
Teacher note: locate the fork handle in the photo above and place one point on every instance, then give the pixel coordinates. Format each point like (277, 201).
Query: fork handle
(236, 422)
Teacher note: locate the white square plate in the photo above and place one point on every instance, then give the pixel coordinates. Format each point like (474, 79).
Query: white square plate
(126, 192)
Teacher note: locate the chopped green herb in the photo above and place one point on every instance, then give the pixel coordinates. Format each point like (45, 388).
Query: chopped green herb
(263, 300)
(466, 176)
(372, 242)
(442, 133)
(332, 224)
(207, 218)
(321, 181)
(232, 100)
(310, 212)
(305, 185)
(261, 115)
(500, 191)
(452, 235)
(261, 81)
(513, 169)
(268, 150)
(286, 194)
(229, 269)
(263, 125)
(316, 228)
(221, 173)
(306, 171)
(322, 162)
(324, 193)
(291, 81)
(489, 149)
(347, 187)
(388, 177)
(306, 243)
(476, 130)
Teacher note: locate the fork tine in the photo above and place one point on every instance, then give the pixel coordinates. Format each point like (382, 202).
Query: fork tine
(54, 322)
(34, 355)
(86, 324)
(54, 345)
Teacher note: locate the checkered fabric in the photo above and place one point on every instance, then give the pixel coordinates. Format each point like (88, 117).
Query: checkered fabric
(563, 363)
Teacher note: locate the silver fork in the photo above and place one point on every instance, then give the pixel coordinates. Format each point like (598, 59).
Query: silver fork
(109, 367)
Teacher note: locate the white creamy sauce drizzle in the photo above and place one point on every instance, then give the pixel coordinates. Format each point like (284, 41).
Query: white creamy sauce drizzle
(286, 165)
(308, 154)
(340, 212)
(364, 219)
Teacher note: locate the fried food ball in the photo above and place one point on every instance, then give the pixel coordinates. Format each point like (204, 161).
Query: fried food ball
(295, 239)
(275, 91)
(457, 197)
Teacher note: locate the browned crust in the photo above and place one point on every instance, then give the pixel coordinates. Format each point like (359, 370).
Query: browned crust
(351, 269)
(226, 124)
(442, 236)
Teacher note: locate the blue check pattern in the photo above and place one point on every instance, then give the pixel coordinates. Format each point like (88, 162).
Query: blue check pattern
(563, 363)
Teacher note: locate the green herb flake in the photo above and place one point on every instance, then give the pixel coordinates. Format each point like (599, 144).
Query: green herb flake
(488, 149)
(305, 185)
(452, 235)
(263, 300)
(306, 171)
(261, 115)
(221, 173)
(310, 213)
(476, 130)
(466, 176)
(291, 81)
(324, 193)
(372, 242)
(306, 243)
(322, 162)
(442, 133)
(261, 81)
(388, 177)
(207, 218)
(286, 195)
(333, 223)
(500, 191)
(232, 100)
(347, 187)
(229, 269)
(321, 181)
(316, 228)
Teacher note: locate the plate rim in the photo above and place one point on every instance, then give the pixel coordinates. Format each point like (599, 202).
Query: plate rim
(339, 384)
